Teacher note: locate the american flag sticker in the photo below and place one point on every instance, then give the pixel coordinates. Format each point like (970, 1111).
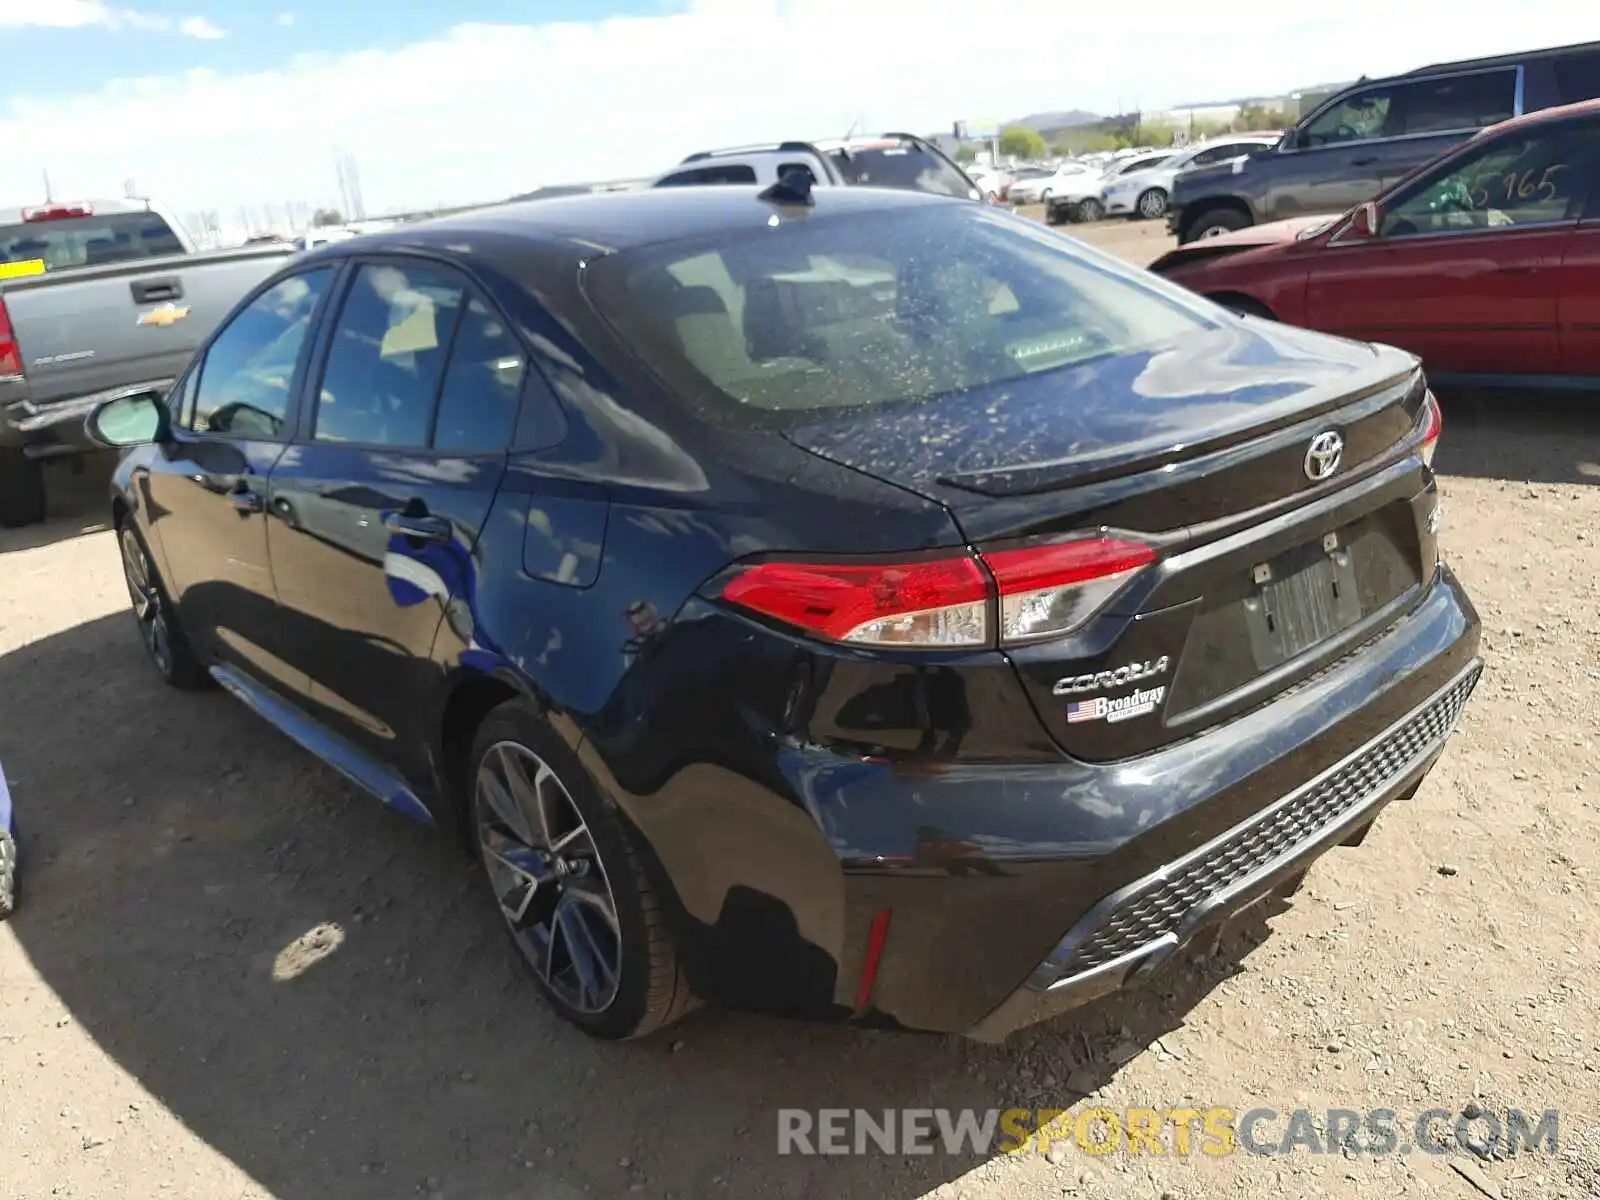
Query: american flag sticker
(1086, 710)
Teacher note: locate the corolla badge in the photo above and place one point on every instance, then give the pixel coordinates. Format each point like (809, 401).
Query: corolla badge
(1114, 678)
(1323, 455)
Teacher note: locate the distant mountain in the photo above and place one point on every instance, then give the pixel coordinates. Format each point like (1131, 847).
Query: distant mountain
(1072, 118)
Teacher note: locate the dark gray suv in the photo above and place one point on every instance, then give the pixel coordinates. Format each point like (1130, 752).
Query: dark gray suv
(1364, 138)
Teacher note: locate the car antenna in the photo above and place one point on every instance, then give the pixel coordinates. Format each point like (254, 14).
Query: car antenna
(793, 187)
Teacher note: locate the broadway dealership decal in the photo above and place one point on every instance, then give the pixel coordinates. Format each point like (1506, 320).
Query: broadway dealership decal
(1119, 708)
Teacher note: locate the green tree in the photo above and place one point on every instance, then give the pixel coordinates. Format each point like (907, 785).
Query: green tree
(327, 216)
(1256, 117)
(966, 154)
(1019, 141)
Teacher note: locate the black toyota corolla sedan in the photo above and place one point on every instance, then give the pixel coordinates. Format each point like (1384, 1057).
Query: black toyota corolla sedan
(859, 604)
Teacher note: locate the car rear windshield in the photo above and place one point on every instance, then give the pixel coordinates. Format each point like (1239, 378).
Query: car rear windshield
(892, 306)
(87, 241)
(902, 166)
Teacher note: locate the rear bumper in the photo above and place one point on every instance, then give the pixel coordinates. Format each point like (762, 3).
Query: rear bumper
(1031, 890)
(1130, 933)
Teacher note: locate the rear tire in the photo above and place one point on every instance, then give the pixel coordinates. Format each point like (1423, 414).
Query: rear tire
(22, 500)
(1214, 224)
(153, 613)
(1054, 214)
(569, 881)
(1088, 211)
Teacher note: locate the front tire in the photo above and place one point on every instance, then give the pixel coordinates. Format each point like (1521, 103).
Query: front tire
(569, 882)
(1216, 223)
(1152, 204)
(22, 499)
(1089, 210)
(159, 630)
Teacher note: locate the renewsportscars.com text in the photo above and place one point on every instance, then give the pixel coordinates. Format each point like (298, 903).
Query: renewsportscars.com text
(1213, 1131)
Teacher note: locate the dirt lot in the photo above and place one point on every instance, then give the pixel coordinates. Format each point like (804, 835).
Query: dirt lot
(232, 977)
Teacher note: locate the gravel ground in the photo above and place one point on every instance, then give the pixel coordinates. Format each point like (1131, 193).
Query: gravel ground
(230, 976)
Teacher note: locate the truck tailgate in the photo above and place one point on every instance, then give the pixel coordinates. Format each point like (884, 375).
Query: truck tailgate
(93, 328)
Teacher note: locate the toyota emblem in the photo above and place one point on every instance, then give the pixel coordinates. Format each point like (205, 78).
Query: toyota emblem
(1323, 455)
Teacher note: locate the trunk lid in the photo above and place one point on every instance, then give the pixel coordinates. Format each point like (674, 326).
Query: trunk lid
(1201, 450)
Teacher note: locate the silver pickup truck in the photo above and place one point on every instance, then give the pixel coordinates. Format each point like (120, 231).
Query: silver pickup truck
(96, 298)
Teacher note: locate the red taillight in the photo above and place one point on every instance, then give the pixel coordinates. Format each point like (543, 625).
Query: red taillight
(10, 355)
(57, 212)
(1039, 591)
(936, 602)
(1432, 422)
(1049, 590)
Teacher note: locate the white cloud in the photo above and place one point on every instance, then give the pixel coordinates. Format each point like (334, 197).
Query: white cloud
(286, 19)
(83, 14)
(200, 27)
(486, 110)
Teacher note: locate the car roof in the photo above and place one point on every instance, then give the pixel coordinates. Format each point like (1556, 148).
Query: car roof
(612, 221)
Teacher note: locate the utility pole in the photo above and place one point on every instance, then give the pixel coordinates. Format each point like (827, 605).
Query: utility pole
(49, 196)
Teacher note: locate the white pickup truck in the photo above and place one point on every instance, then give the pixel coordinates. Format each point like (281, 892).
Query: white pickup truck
(97, 297)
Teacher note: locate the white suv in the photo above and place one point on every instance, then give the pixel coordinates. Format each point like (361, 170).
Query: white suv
(1146, 193)
(894, 160)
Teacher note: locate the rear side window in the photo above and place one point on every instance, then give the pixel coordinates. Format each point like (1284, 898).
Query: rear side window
(387, 356)
(1577, 78)
(721, 173)
(1455, 102)
(88, 241)
(482, 385)
(883, 307)
(908, 167)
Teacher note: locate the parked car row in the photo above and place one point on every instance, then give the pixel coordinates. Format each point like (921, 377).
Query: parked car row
(1360, 141)
(1485, 262)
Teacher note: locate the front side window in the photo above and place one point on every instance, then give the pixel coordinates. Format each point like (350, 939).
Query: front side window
(1534, 178)
(245, 380)
(1356, 118)
(387, 356)
(877, 308)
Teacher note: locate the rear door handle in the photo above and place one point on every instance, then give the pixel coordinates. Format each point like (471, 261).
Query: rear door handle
(424, 528)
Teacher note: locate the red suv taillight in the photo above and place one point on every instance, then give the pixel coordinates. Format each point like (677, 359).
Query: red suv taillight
(1033, 592)
(1431, 422)
(10, 354)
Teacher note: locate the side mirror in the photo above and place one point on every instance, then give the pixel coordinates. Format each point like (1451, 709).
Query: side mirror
(1364, 220)
(131, 419)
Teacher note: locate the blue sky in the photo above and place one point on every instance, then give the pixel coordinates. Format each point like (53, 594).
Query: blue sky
(227, 104)
(42, 61)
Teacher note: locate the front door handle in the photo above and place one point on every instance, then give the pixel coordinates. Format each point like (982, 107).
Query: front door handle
(423, 528)
(1364, 162)
(244, 499)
